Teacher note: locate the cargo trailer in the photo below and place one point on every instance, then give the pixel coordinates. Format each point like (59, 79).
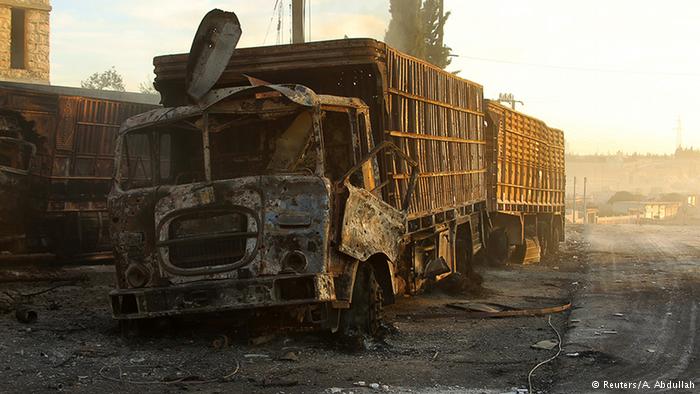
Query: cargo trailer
(526, 184)
(70, 171)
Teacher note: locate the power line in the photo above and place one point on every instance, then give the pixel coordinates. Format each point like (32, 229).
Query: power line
(593, 69)
(272, 17)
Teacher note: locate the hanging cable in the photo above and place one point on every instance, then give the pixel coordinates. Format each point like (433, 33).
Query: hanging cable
(274, 9)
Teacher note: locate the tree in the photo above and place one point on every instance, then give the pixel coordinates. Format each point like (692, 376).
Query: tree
(405, 27)
(417, 28)
(106, 80)
(147, 87)
(434, 31)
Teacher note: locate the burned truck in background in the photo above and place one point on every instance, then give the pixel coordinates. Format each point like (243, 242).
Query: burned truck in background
(17, 148)
(353, 174)
(61, 186)
(526, 185)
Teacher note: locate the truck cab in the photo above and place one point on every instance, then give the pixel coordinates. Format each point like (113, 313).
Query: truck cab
(255, 197)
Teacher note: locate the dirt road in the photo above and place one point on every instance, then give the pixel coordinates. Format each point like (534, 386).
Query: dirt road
(636, 318)
(647, 274)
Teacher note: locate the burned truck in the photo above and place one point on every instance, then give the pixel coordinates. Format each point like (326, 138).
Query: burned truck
(321, 178)
(66, 174)
(526, 184)
(17, 148)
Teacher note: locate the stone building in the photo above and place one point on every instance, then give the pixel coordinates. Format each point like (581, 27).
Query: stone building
(24, 40)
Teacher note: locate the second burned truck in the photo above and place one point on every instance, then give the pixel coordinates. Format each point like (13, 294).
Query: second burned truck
(353, 174)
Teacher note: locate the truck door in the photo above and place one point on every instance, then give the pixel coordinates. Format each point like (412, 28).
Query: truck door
(370, 225)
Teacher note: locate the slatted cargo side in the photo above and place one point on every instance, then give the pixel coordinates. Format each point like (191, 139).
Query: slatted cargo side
(436, 118)
(73, 164)
(526, 174)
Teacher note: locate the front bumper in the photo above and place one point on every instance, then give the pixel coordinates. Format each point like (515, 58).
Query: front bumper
(222, 295)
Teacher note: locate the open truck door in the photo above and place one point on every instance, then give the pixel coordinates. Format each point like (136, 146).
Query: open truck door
(370, 225)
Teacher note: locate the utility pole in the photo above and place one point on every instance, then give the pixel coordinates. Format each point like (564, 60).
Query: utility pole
(573, 214)
(679, 134)
(508, 98)
(298, 21)
(585, 205)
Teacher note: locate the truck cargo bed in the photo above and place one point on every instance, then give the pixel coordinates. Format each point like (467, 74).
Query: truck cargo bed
(526, 174)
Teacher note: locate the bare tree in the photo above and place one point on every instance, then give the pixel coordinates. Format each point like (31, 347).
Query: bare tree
(106, 80)
(146, 87)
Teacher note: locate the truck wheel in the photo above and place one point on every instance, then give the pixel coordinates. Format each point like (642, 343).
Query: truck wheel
(364, 317)
(554, 242)
(545, 235)
(498, 246)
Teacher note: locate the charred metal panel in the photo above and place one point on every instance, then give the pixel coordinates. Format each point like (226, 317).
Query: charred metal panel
(211, 50)
(371, 226)
(271, 201)
(223, 295)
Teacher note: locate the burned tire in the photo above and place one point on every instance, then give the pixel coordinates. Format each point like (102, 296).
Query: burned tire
(364, 317)
(544, 237)
(553, 245)
(498, 247)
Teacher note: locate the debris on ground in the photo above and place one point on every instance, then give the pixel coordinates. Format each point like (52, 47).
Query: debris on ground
(547, 344)
(25, 314)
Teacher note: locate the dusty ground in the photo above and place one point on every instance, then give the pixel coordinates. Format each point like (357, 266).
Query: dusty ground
(645, 273)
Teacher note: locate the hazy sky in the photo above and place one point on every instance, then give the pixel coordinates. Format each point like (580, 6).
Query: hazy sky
(614, 75)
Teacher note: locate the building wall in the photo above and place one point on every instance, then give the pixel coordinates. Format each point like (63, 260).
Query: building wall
(37, 25)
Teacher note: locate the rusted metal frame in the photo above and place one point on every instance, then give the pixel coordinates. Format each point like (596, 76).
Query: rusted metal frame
(78, 178)
(461, 210)
(238, 234)
(205, 146)
(431, 137)
(109, 125)
(441, 174)
(384, 145)
(534, 138)
(246, 259)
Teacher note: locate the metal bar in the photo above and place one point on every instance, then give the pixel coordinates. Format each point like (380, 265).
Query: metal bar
(243, 234)
(431, 137)
(440, 174)
(430, 101)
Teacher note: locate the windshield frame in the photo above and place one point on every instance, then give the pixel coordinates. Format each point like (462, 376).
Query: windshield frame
(265, 105)
(21, 144)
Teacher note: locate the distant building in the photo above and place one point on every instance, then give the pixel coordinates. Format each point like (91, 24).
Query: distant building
(655, 210)
(24, 40)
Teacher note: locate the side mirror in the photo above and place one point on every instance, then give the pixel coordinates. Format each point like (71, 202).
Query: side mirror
(386, 145)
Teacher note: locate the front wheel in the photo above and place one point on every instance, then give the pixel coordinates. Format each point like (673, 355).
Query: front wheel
(364, 317)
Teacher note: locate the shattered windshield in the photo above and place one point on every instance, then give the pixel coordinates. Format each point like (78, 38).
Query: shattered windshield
(239, 145)
(244, 145)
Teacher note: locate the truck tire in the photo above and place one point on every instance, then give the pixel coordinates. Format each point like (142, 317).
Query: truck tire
(364, 317)
(545, 236)
(498, 247)
(553, 245)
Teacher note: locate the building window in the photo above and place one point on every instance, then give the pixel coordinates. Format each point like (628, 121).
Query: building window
(17, 55)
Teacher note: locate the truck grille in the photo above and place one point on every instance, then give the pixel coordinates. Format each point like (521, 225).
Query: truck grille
(210, 239)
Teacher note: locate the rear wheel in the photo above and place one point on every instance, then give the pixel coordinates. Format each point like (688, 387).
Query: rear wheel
(554, 242)
(364, 317)
(498, 246)
(544, 236)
